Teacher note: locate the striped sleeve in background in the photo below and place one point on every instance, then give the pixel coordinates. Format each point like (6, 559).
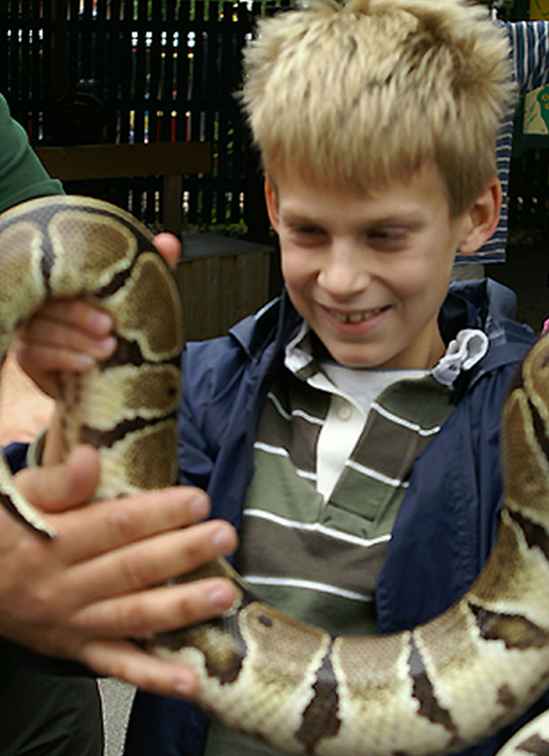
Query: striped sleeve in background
(529, 48)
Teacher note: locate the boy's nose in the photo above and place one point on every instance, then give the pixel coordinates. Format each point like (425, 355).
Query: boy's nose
(344, 273)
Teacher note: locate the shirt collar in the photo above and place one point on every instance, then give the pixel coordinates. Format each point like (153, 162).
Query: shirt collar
(466, 350)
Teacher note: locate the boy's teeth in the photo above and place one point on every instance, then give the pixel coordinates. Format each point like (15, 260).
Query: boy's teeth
(356, 317)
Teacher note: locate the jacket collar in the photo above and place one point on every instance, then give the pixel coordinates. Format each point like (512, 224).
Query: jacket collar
(483, 304)
(490, 306)
(274, 323)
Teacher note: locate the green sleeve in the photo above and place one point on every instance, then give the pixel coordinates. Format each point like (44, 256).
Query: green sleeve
(22, 175)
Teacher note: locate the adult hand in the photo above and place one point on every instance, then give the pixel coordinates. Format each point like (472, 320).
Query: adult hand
(83, 594)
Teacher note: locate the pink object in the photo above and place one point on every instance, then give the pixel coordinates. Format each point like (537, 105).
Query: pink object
(545, 328)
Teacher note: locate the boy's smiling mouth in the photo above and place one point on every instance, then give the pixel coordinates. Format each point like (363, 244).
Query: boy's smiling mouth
(355, 316)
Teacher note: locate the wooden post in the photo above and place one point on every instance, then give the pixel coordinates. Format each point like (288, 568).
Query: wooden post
(172, 204)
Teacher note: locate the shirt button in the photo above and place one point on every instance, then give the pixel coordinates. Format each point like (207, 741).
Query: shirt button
(345, 412)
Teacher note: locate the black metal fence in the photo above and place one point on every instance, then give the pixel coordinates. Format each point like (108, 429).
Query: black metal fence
(124, 71)
(85, 71)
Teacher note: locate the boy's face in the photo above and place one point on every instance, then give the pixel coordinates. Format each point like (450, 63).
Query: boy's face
(369, 272)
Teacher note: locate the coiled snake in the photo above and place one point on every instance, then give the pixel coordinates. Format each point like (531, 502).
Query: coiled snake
(432, 690)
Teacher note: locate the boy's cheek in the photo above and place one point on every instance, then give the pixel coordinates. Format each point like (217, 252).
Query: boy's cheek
(298, 266)
(294, 276)
(300, 302)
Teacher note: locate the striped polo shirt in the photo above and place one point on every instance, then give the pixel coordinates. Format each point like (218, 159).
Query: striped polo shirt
(529, 49)
(334, 451)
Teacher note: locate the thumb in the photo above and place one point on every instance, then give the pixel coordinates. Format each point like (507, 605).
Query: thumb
(61, 487)
(169, 247)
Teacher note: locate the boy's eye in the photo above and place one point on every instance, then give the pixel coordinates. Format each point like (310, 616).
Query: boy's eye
(307, 230)
(387, 235)
(307, 234)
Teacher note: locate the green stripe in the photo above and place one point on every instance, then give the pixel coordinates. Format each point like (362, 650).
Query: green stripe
(363, 505)
(422, 401)
(316, 557)
(277, 488)
(388, 448)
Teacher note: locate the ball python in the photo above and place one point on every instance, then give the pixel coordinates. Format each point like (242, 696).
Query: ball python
(533, 738)
(431, 690)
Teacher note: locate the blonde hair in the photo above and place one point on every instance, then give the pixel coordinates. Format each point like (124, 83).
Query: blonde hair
(364, 93)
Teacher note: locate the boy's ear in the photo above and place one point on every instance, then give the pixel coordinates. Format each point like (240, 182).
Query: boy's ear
(271, 200)
(482, 218)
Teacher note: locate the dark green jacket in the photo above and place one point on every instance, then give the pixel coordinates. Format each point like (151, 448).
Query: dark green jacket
(22, 175)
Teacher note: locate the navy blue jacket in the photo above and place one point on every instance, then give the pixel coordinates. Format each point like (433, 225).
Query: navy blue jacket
(448, 518)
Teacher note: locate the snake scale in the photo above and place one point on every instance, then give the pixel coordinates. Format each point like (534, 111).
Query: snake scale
(432, 690)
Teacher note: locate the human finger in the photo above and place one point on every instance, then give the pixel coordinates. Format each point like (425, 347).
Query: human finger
(66, 337)
(126, 661)
(143, 614)
(45, 346)
(79, 313)
(150, 562)
(61, 487)
(42, 364)
(103, 527)
(169, 247)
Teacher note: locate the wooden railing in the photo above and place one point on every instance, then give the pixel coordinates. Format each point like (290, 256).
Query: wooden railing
(170, 161)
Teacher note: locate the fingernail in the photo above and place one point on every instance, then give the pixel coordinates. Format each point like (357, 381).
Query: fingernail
(85, 361)
(222, 539)
(107, 345)
(100, 322)
(221, 597)
(199, 507)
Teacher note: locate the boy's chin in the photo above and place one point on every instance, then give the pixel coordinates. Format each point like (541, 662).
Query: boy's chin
(357, 364)
(356, 360)
(344, 355)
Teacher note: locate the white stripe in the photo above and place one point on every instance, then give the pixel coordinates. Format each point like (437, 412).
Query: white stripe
(305, 474)
(264, 309)
(405, 423)
(310, 584)
(315, 527)
(377, 475)
(279, 407)
(295, 413)
(278, 450)
(309, 418)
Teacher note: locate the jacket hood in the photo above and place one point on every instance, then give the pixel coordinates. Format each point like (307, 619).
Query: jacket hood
(491, 307)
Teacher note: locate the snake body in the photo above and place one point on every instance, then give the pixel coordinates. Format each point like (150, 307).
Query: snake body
(432, 690)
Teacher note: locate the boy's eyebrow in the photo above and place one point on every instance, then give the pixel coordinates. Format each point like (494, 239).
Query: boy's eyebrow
(295, 219)
(406, 217)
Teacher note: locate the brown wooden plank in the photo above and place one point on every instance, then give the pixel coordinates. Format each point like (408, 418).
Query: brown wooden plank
(218, 291)
(172, 201)
(119, 160)
(211, 314)
(252, 274)
(193, 279)
(227, 293)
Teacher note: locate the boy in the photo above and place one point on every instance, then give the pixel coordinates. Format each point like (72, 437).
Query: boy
(352, 425)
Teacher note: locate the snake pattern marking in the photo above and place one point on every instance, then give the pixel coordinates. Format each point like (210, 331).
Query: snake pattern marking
(432, 690)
